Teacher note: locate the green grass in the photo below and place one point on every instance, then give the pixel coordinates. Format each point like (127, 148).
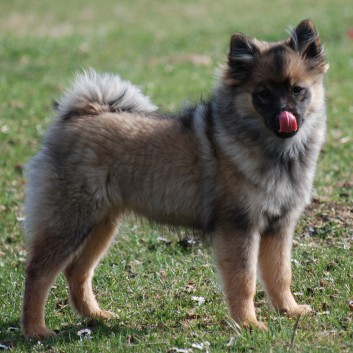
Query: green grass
(171, 49)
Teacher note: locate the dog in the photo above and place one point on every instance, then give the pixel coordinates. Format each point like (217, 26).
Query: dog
(239, 167)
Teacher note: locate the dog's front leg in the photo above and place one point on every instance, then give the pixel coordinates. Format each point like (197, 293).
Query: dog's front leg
(275, 266)
(236, 255)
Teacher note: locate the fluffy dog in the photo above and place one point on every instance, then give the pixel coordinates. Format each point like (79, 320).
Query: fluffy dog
(239, 167)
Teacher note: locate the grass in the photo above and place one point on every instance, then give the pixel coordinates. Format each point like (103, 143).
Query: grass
(171, 49)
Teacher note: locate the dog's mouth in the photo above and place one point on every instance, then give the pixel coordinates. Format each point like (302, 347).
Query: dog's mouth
(287, 125)
(287, 122)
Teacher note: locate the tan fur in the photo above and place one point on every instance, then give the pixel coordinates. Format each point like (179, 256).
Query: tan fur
(239, 286)
(80, 271)
(219, 168)
(274, 264)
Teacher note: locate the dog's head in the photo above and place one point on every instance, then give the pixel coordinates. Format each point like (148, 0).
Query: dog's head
(278, 83)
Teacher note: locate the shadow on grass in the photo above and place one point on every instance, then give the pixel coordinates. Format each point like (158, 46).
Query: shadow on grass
(10, 333)
(11, 337)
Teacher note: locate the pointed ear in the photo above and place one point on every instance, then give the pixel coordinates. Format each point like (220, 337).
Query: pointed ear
(306, 40)
(241, 57)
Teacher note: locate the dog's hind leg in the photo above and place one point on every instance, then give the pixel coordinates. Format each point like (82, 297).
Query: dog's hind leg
(37, 287)
(80, 271)
(48, 254)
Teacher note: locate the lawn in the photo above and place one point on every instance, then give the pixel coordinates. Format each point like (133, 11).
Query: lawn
(165, 291)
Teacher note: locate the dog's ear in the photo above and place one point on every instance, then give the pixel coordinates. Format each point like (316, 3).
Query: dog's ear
(241, 56)
(306, 40)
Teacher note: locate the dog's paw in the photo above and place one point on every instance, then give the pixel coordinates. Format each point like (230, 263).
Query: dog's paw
(261, 326)
(103, 314)
(38, 333)
(298, 310)
(301, 310)
(258, 325)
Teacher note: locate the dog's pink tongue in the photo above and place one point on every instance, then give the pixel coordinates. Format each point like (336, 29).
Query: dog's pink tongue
(287, 122)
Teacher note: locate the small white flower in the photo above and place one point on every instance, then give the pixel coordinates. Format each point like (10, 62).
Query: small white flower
(231, 341)
(84, 333)
(199, 300)
(201, 346)
(327, 312)
(298, 294)
(180, 350)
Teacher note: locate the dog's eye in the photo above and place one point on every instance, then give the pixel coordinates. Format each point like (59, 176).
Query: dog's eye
(297, 90)
(264, 93)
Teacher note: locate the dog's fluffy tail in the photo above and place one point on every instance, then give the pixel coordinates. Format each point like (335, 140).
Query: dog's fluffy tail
(92, 93)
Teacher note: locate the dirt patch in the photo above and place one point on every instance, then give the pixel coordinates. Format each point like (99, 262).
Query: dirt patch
(325, 218)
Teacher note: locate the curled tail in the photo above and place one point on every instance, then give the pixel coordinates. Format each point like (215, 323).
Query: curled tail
(92, 93)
